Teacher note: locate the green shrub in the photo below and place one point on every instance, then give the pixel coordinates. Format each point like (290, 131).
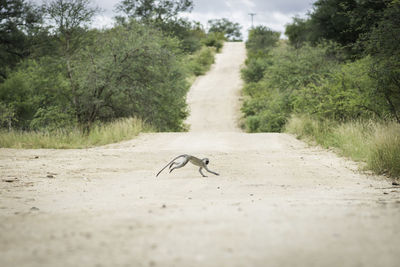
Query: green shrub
(131, 71)
(215, 39)
(261, 40)
(7, 116)
(230, 30)
(266, 113)
(189, 33)
(285, 71)
(254, 70)
(346, 94)
(38, 93)
(126, 71)
(200, 62)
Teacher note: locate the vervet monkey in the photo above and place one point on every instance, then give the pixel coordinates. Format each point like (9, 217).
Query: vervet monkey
(202, 163)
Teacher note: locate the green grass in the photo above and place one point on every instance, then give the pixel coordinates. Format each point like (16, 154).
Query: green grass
(100, 134)
(375, 143)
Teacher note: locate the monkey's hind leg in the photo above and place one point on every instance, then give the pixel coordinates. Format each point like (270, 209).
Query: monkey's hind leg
(179, 165)
(172, 164)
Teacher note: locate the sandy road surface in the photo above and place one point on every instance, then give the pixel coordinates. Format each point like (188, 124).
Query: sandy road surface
(277, 202)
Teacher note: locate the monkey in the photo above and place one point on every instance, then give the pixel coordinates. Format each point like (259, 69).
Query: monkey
(202, 163)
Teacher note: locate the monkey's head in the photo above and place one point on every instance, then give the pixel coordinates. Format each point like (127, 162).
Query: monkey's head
(206, 161)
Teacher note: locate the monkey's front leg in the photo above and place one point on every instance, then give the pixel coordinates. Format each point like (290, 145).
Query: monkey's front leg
(202, 174)
(211, 171)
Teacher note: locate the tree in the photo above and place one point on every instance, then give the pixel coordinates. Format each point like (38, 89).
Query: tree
(384, 46)
(261, 40)
(69, 17)
(189, 33)
(230, 29)
(38, 94)
(7, 116)
(299, 32)
(163, 14)
(345, 22)
(130, 71)
(330, 21)
(18, 19)
(160, 11)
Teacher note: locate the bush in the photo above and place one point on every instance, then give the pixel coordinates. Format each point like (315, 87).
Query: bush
(285, 71)
(7, 116)
(38, 94)
(261, 40)
(131, 71)
(215, 39)
(189, 33)
(255, 68)
(347, 93)
(126, 71)
(229, 29)
(266, 113)
(200, 62)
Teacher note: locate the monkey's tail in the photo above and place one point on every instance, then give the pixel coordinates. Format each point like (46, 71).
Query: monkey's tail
(184, 155)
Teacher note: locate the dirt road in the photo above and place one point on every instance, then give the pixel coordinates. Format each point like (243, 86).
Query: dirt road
(277, 201)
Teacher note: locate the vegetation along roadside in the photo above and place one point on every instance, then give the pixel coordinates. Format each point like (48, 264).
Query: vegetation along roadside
(335, 81)
(64, 84)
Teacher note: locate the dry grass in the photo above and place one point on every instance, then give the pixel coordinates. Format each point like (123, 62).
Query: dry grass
(375, 143)
(100, 134)
(384, 157)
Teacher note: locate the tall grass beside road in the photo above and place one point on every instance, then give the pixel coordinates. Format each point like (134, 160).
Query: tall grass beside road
(385, 151)
(375, 143)
(100, 134)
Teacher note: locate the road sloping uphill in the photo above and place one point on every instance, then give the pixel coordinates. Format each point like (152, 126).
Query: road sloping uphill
(277, 201)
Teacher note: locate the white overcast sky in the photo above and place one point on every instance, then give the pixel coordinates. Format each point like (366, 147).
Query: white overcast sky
(271, 13)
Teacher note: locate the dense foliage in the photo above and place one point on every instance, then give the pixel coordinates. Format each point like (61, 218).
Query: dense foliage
(334, 82)
(163, 14)
(337, 66)
(161, 11)
(56, 73)
(231, 30)
(261, 40)
(18, 24)
(383, 44)
(346, 22)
